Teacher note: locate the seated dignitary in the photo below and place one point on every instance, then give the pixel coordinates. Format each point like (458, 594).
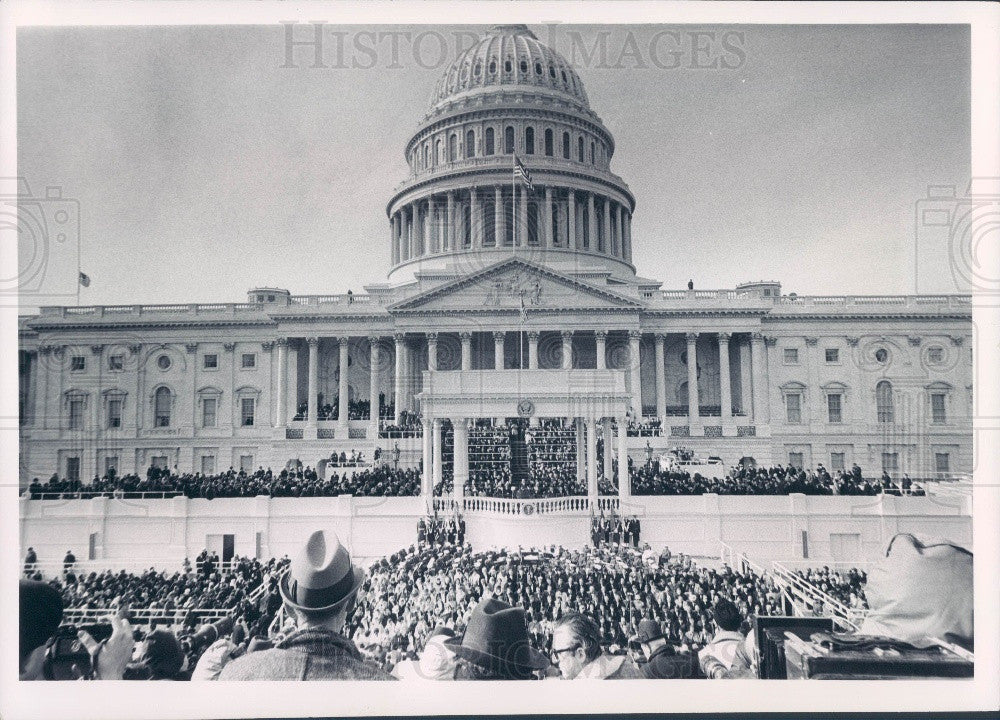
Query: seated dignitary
(726, 655)
(576, 649)
(495, 645)
(663, 662)
(318, 591)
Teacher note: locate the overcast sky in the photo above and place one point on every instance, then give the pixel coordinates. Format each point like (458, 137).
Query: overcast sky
(203, 167)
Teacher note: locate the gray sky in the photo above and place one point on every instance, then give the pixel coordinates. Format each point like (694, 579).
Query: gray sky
(203, 167)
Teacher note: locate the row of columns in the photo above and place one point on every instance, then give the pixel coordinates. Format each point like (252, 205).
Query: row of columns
(432, 225)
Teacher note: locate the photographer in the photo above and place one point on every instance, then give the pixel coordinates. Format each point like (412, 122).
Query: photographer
(158, 657)
(41, 611)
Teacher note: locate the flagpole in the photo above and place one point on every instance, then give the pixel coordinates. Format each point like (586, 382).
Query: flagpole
(513, 203)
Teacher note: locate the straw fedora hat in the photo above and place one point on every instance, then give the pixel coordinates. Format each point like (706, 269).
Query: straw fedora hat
(496, 638)
(321, 577)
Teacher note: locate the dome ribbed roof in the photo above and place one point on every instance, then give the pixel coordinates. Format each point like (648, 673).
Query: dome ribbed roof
(508, 56)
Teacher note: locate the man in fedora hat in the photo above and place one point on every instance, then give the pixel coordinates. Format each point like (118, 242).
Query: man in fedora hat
(576, 649)
(663, 662)
(495, 645)
(318, 591)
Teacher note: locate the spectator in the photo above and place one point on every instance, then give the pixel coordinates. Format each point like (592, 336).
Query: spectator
(726, 655)
(495, 645)
(576, 649)
(663, 662)
(68, 562)
(158, 657)
(30, 558)
(318, 592)
(40, 612)
(436, 662)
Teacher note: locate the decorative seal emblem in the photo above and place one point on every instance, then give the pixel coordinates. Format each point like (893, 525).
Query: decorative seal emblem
(525, 408)
(529, 509)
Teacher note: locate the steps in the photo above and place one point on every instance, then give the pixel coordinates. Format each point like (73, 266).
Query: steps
(520, 467)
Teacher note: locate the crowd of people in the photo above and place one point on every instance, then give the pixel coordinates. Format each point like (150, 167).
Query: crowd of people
(540, 483)
(443, 530)
(356, 409)
(615, 530)
(408, 425)
(847, 587)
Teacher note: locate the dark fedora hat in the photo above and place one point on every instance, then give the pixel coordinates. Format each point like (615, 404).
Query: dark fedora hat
(496, 639)
(648, 631)
(321, 578)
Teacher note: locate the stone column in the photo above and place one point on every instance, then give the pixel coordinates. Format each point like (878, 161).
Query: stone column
(400, 341)
(498, 338)
(725, 390)
(343, 412)
(592, 457)
(280, 413)
(607, 225)
(532, 350)
(634, 375)
(313, 377)
(406, 238)
(601, 341)
(567, 349)
(746, 379)
(461, 464)
(608, 439)
(624, 479)
(692, 367)
(591, 223)
(449, 228)
(419, 229)
(661, 378)
(549, 239)
(571, 239)
(498, 216)
(620, 242)
(522, 214)
(475, 219)
(581, 464)
(432, 242)
(438, 445)
(628, 237)
(373, 364)
(758, 360)
(432, 351)
(395, 238)
(466, 350)
(426, 461)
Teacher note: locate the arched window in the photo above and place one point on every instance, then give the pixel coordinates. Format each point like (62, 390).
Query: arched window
(508, 140)
(424, 166)
(592, 148)
(453, 148)
(489, 141)
(161, 407)
(470, 144)
(579, 149)
(548, 143)
(566, 145)
(529, 141)
(884, 407)
(437, 152)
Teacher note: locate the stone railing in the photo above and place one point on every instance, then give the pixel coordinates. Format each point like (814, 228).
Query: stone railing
(574, 505)
(813, 303)
(117, 311)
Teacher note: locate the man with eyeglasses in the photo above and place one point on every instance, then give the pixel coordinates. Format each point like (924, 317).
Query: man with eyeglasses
(576, 651)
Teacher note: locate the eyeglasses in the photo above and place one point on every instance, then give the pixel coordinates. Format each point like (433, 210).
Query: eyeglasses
(554, 653)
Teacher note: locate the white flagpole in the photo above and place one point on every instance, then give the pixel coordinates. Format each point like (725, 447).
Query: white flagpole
(513, 203)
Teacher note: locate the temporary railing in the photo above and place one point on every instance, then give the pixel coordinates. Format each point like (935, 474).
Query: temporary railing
(91, 616)
(802, 594)
(117, 494)
(739, 560)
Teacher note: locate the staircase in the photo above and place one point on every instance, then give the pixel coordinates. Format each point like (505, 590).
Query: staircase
(520, 467)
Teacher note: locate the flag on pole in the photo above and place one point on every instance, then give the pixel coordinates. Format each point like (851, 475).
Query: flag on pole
(524, 309)
(521, 173)
(84, 279)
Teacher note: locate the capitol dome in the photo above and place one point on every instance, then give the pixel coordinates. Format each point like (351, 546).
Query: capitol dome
(508, 55)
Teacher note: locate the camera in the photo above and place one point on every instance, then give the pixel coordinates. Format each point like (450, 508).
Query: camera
(206, 635)
(47, 232)
(66, 657)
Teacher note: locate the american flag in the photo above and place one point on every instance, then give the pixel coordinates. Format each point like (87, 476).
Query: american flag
(521, 173)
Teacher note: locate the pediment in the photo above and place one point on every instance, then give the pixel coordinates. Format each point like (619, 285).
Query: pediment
(511, 285)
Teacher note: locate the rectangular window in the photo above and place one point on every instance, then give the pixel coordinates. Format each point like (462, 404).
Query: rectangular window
(110, 464)
(73, 468)
(209, 406)
(246, 411)
(942, 462)
(836, 461)
(159, 461)
(246, 463)
(795, 459)
(834, 405)
(248, 361)
(78, 363)
(938, 414)
(75, 414)
(210, 362)
(793, 408)
(208, 464)
(832, 355)
(114, 413)
(116, 362)
(791, 356)
(890, 461)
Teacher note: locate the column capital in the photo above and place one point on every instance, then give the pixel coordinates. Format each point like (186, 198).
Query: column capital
(134, 349)
(191, 347)
(914, 340)
(634, 334)
(96, 349)
(266, 345)
(725, 337)
(399, 337)
(374, 340)
(853, 341)
(343, 339)
(770, 341)
(566, 334)
(956, 340)
(812, 341)
(432, 337)
(757, 337)
(229, 346)
(692, 337)
(465, 336)
(660, 337)
(312, 341)
(533, 334)
(499, 334)
(601, 334)
(281, 341)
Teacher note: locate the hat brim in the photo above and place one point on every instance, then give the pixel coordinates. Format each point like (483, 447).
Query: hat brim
(640, 639)
(359, 578)
(531, 660)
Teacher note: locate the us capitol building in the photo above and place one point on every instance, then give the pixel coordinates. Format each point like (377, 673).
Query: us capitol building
(503, 301)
